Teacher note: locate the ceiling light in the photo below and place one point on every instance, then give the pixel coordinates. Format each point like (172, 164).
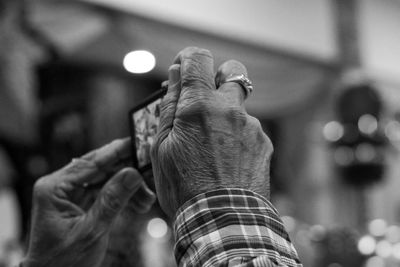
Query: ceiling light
(139, 61)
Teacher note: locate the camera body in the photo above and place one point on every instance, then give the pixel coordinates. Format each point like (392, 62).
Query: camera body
(143, 122)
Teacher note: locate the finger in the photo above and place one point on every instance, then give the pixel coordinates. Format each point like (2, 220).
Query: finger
(96, 166)
(142, 200)
(110, 157)
(170, 100)
(114, 197)
(197, 69)
(234, 92)
(79, 172)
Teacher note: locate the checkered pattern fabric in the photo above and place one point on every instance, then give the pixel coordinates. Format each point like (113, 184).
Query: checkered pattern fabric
(232, 227)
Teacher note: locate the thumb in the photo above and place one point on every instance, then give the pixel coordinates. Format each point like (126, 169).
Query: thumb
(114, 197)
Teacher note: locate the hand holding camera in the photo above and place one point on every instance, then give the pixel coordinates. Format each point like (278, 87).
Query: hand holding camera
(206, 139)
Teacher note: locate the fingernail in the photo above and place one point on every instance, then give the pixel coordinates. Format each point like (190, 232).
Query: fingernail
(152, 195)
(132, 180)
(174, 74)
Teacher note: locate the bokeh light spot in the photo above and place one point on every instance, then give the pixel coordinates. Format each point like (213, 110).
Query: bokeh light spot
(333, 131)
(365, 152)
(375, 262)
(366, 245)
(139, 61)
(377, 227)
(383, 249)
(367, 124)
(157, 228)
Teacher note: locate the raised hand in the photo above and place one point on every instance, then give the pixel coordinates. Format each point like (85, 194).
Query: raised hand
(206, 139)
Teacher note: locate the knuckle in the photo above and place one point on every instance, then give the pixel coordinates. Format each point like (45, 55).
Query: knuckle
(203, 52)
(193, 51)
(41, 189)
(76, 167)
(255, 123)
(261, 137)
(110, 202)
(233, 66)
(194, 105)
(194, 76)
(235, 62)
(268, 145)
(236, 115)
(90, 156)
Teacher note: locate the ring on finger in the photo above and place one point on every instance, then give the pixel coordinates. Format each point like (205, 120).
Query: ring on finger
(242, 80)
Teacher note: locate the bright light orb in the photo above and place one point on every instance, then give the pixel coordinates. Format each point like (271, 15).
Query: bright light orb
(365, 152)
(393, 234)
(157, 228)
(139, 61)
(375, 261)
(366, 245)
(377, 227)
(318, 233)
(333, 131)
(396, 251)
(392, 131)
(384, 249)
(367, 124)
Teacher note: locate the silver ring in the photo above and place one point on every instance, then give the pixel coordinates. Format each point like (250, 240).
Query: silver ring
(242, 80)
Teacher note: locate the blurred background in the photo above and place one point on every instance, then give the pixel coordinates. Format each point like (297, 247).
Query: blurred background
(327, 90)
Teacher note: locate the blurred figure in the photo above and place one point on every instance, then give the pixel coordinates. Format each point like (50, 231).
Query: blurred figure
(21, 49)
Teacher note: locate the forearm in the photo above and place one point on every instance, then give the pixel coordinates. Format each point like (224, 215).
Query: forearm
(231, 227)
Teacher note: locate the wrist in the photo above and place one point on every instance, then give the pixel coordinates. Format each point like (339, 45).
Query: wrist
(232, 218)
(227, 191)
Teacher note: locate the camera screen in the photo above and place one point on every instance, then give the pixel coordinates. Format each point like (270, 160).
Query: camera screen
(146, 122)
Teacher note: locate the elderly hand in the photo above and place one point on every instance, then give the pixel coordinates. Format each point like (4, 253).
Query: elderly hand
(71, 222)
(206, 139)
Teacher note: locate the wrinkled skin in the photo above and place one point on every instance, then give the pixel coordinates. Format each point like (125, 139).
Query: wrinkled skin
(206, 139)
(71, 222)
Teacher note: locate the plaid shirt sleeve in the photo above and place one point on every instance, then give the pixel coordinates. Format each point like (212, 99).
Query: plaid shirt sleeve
(231, 227)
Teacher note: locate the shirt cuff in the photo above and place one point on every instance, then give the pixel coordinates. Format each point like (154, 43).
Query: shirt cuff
(228, 226)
